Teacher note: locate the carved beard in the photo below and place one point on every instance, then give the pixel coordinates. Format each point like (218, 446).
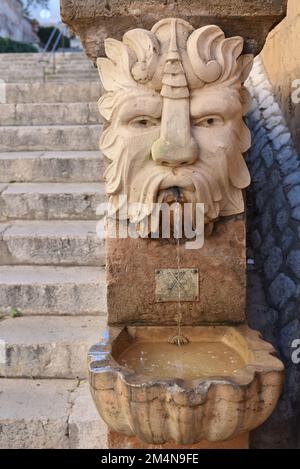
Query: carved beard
(211, 181)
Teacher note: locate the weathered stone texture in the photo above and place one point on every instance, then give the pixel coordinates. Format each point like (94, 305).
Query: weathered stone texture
(31, 419)
(49, 166)
(51, 201)
(184, 410)
(86, 429)
(131, 266)
(52, 290)
(274, 202)
(52, 347)
(95, 21)
(51, 242)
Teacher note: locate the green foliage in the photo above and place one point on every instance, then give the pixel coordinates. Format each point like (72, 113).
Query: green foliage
(45, 32)
(14, 313)
(8, 46)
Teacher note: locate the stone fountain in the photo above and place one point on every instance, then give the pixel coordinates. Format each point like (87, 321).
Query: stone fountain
(178, 364)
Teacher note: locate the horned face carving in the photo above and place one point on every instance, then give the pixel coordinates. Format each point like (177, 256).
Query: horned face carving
(174, 104)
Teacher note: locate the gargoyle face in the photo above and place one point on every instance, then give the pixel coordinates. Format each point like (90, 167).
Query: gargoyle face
(175, 105)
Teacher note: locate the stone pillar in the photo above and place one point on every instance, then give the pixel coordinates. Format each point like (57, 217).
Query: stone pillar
(174, 102)
(142, 288)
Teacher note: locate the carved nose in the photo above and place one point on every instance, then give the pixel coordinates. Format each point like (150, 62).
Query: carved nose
(170, 153)
(175, 146)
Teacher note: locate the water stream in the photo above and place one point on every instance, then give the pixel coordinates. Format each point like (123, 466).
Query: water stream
(178, 339)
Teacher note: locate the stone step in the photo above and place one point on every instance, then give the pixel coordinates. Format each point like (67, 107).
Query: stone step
(50, 138)
(51, 243)
(64, 92)
(39, 77)
(35, 57)
(51, 201)
(49, 414)
(65, 166)
(51, 290)
(63, 66)
(51, 347)
(49, 114)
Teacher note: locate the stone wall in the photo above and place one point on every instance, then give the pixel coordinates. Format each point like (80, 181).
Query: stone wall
(12, 22)
(281, 57)
(273, 242)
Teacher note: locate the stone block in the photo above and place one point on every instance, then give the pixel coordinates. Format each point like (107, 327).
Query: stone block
(86, 428)
(293, 261)
(296, 213)
(292, 179)
(294, 196)
(282, 218)
(49, 114)
(50, 138)
(287, 239)
(281, 290)
(51, 201)
(51, 243)
(52, 347)
(273, 263)
(94, 21)
(60, 166)
(46, 290)
(34, 413)
(133, 263)
(88, 91)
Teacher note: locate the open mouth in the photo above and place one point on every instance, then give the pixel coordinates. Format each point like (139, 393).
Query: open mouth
(175, 188)
(172, 194)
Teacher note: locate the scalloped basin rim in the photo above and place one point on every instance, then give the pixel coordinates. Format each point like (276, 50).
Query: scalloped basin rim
(258, 355)
(178, 410)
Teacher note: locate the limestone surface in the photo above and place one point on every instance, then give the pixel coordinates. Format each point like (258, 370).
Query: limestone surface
(52, 347)
(51, 201)
(214, 408)
(49, 138)
(49, 166)
(95, 21)
(157, 105)
(51, 242)
(31, 419)
(52, 290)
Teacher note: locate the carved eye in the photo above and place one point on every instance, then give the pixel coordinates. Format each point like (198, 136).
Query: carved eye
(211, 121)
(144, 122)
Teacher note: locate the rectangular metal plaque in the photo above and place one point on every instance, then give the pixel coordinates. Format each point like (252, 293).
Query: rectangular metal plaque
(176, 284)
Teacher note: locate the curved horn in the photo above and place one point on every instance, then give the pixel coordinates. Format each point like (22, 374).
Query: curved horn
(199, 49)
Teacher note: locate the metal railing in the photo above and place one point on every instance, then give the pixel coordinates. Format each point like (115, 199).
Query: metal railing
(49, 50)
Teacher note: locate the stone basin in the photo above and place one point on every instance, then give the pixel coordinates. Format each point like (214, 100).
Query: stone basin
(225, 382)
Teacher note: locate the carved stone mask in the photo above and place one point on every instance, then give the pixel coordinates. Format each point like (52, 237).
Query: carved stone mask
(174, 105)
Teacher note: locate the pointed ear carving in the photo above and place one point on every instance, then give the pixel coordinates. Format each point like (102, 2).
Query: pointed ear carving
(228, 52)
(245, 64)
(146, 48)
(115, 70)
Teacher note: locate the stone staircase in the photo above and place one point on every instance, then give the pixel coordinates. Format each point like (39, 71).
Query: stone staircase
(52, 282)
